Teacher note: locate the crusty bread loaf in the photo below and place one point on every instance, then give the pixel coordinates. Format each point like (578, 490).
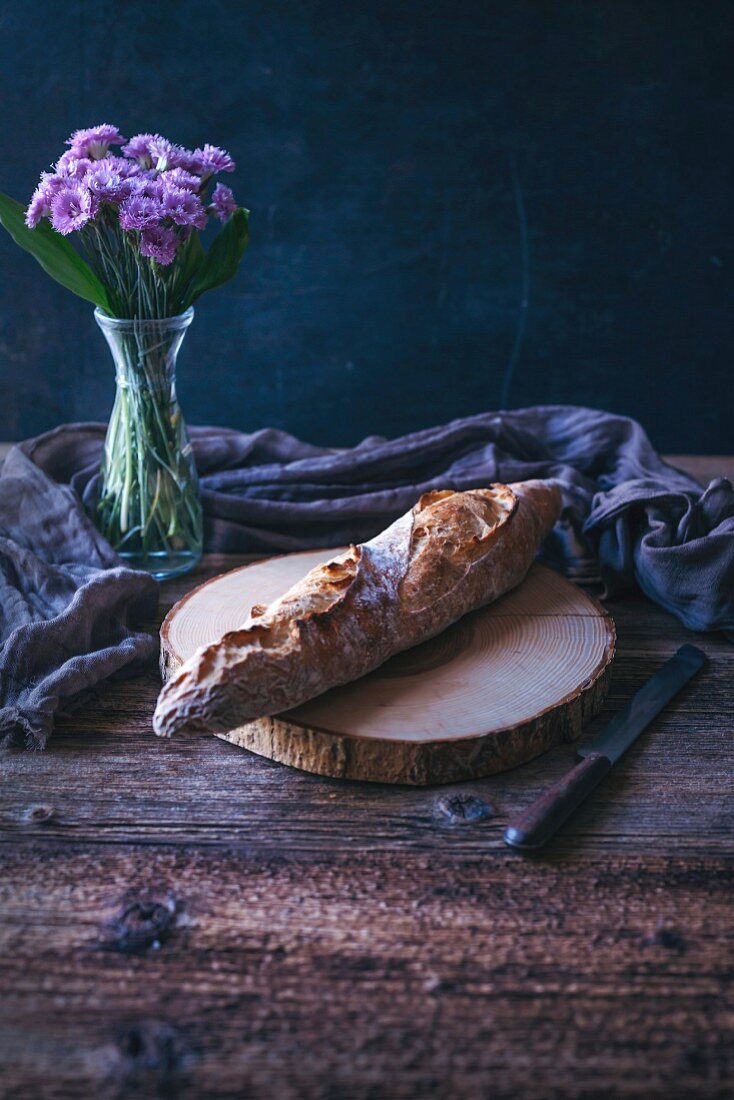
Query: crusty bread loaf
(452, 553)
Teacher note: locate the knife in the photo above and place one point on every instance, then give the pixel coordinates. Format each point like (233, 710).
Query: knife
(535, 826)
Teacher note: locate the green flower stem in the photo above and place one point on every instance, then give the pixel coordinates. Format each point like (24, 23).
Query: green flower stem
(128, 453)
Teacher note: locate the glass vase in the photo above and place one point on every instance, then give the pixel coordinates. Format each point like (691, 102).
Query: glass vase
(149, 507)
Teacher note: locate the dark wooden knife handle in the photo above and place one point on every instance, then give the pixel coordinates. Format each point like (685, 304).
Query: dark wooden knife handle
(536, 825)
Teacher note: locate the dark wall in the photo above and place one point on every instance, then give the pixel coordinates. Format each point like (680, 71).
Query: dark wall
(455, 205)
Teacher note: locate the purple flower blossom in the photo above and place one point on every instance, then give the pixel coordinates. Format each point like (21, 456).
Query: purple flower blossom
(139, 212)
(95, 141)
(210, 160)
(71, 208)
(161, 153)
(179, 177)
(71, 166)
(155, 151)
(128, 169)
(159, 243)
(183, 207)
(104, 181)
(138, 148)
(40, 204)
(223, 203)
(147, 184)
(39, 207)
(52, 183)
(165, 154)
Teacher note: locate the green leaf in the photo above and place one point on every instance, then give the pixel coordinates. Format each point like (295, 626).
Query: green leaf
(223, 258)
(54, 253)
(192, 256)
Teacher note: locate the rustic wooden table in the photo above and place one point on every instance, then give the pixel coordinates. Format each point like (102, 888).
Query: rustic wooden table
(183, 918)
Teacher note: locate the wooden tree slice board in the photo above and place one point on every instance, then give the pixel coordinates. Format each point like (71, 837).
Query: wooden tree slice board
(499, 687)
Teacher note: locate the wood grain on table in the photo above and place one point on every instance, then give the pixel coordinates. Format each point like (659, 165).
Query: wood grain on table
(185, 919)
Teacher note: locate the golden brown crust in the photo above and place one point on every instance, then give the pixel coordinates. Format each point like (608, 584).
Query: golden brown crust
(453, 552)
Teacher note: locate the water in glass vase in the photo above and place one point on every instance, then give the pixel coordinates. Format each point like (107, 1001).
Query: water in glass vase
(149, 507)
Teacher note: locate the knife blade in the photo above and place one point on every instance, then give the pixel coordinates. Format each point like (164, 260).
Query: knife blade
(535, 826)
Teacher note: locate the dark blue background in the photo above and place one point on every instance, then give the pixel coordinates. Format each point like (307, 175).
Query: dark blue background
(416, 171)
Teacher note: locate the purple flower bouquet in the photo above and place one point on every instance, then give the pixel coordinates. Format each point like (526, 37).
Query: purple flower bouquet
(136, 218)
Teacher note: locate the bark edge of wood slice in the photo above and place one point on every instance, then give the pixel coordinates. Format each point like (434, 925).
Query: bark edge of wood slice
(498, 688)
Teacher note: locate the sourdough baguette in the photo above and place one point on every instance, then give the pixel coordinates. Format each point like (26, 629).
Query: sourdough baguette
(452, 553)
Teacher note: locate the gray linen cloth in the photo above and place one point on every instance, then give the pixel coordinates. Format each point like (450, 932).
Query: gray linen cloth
(71, 614)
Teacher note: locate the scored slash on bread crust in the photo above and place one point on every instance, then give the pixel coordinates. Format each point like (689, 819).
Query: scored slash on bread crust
(452, 553)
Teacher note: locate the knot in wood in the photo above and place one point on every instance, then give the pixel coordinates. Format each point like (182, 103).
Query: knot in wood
(666, 936)
(142, 925)
(463, 809)
(38, 815)
(149, 1059)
